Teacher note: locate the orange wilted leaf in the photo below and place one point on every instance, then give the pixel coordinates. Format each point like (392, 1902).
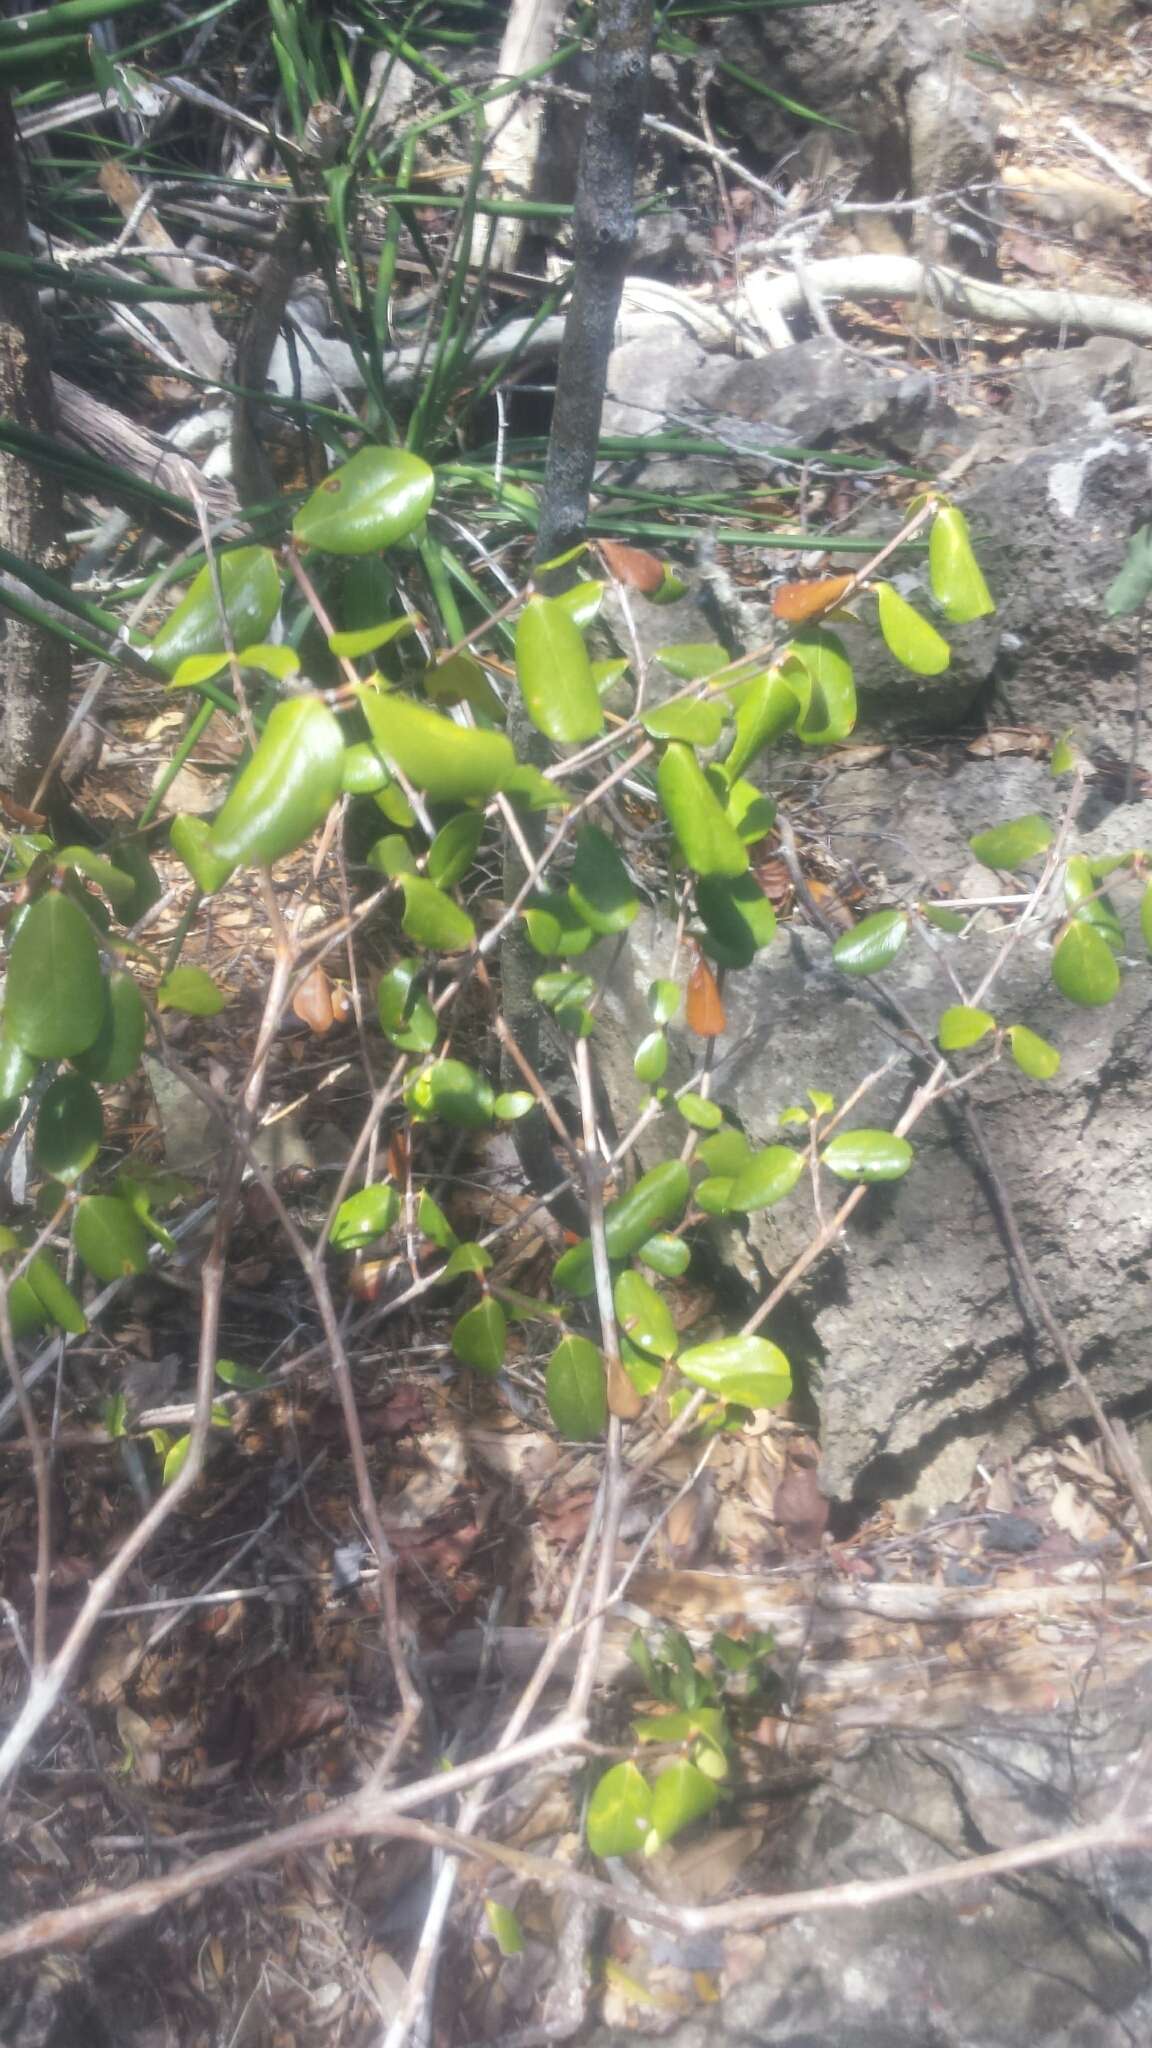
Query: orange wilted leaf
(704, 1011)
(399, 1154)
(797, 602)
(634, 567)
(312, 1002)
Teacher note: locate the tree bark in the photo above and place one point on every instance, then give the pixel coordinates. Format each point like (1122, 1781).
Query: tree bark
(35, 664)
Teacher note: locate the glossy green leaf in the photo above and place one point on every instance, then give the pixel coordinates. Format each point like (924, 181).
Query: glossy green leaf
(692, 660)
(668, 1256)
(118, 887)
(1080, 885)
(708, 841)
(250, 588)
(513, 1104)
(1012, 845)
(365, 1216)
(433, 1223)
(699, 1111)
(480, 1337)
(504, 1927)
(454, 1092)
(738, 919)
(957, 579)
(726, 1153)
(175, 1459)
(871, 944)
(910, 637)
(942, 919)
(619, 1812)
(433, 919)
(378, 498)
(450, 763)
(582, 602)
(575, 1389)
(129, 852)
(681, 1794)
(392, 855)
(115, 1051)
(245, 1378)
(1033, 1054)
(555, 927)
(1064, 755)
(821, 1101)
(54, 1004)
(1084, 966)
(664, 1000)
(752, 813)
(645, 1316)
(1131, 589)
(600, 888)
(17, 1070)
(713, 1195)
(561, 988)
(144, 1192)
(960, 1027)
(278, 662)
(69, 1128)
(528, 787)
(395, 806)
(109, 1238)
(454, 849)
(192, 991)
(405, 1013)
(362, 772)
(658, 1197)
(650, 1060)
(765, 706)
(55, 1296)
(461, 680)
(555, 674)
(606, 674)
(368, 638)
(287, 788)
(191, 842)
(26, 1311)
(828, 711)
(700, 721)
(466, 1259)
(767, 1178)
(867, 1156)
(645, 1373)
(750, 1370)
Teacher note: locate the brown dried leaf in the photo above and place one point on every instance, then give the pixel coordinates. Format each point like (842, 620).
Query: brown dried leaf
(634, 567)
(312, 1002)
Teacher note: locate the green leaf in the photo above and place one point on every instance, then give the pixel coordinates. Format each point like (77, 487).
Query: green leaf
(698, 1111)
(461, 680)
(365, 1216)
(452, 764)
(726, 1154)
(513, 1104)
(432, 1222)
(175, 1459)
(555, 674)
(828, 711)
(1064, 755)
(943, 919)
(738, 919)
(1033, 1054)
(391, 856)
(957, 580)
(698, 721)
(454, 849)
(600, 888)
(650, 1060)
(708, 841)
(1131, 589)
(118, 887)
(574, 1387)
(909, 636)
(250, 588)
(192, 991)
(69, 1128)
(1084, 966)
(1013, 845)
(55, 1296)
(692, 660)
(668, 1256)
(664, 1000)
(191, 842)
(467, 1258)
(607, 673)
(821, 1101)
(433, 919)
(644, 1373)
(960, 1027)
(405, 1013)
(562, 989)
(109, 1238)
(752, 813)
(532, 789)
(1146, 916)
(54, 1004)
(17, 1071)
(1080, 884)
(765, 706)
(682, 1794)
(554, 925)
(505, 1928)
(480, 1336)
(287, 788)
(867, 1156)
(362, 772)
(244, 1377)
(619, 1812)
(714, 1195)
(352, 645)
(454, 1092)
(872, 943)
(644, 1316)
(582, 602)
(767, 1178)
(378, 498)
(658, 1197)
(115, 1052)
(749, 1370)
